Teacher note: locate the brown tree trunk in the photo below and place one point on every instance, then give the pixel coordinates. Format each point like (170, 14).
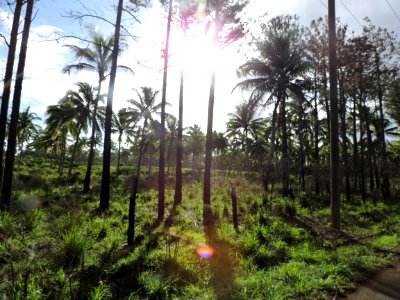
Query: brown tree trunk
(105, 176)
(8, 80)
(12, 134)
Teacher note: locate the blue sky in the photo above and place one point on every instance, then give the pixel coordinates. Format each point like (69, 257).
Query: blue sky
(45, 85)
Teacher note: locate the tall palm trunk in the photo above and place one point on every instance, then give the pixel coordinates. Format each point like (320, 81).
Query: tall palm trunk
(285, 154)
(345, 159)
(86, 183)
(334, 128)
(132, 198)
(74, 150)
(179, 146)
(370, 149)
(105, 178)
(12, 134)
(161, 164)
(355, 143)
(362, 150)
(385, 175)
(119, 152)
(210, 116)
(8, 80)
(272, 149)
(316, 139)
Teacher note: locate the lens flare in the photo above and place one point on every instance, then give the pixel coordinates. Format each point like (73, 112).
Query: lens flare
(205, 251)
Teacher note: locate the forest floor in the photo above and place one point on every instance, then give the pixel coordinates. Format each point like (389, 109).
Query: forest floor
(56, 244)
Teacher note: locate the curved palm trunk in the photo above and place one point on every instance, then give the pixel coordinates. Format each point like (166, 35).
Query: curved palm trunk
(161, 165)
(8, 80)
(74, 150)
(12, 135)
(105, 178)
(86, 183)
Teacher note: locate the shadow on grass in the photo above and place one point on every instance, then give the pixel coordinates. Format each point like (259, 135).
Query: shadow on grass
(222, 263)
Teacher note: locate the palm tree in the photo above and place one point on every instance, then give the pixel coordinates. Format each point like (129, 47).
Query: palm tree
(123, 123)
(60, 121)
(195, 142)
(225, 15)
(187, 9)
(173, 128)
(82, 103)
(276, 73)
(27, 129)
(105, 175)
(97, 58)
(244, 122)
(146, 107)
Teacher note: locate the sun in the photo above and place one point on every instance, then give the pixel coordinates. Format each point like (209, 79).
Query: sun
(195, 53)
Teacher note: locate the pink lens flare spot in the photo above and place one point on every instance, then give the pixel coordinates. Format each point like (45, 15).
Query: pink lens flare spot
(205, 251)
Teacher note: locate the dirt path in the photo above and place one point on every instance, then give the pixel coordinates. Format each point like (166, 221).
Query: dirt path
(385, 286)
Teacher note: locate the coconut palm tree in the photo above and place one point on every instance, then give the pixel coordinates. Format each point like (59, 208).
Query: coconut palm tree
(123, 121)
(146, 106)
(60, 122)
(187, 11)
(27, 129)
(96, 57)
(82, 105)
(195, 142)
(282, 62)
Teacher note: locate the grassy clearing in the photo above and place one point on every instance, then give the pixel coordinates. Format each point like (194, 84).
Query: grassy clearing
(55, 244)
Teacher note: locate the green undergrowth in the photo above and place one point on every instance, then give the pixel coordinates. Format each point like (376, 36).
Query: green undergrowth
(56, 244)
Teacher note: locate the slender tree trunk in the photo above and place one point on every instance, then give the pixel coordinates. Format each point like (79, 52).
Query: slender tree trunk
(179, 148)
(334, 133)
(210, 116)
(132, 198)
(207, 165)
(355, 143)
(285, 154)
(161, 164)
(272, 149)
(12, 134)
(370, 149)
(105, 178)
(362, 150)
(8, 80)
(316, 140)
(74, 150)
(86, 183)
(385, 167)
(119, 152)
(345, 159)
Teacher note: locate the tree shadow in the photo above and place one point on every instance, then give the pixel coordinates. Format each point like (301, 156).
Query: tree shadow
(222, 263)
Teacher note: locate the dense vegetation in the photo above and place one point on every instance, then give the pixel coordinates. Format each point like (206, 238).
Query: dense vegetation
(166, 191)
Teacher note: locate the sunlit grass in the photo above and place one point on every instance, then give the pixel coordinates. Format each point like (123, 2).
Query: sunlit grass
(66, 248)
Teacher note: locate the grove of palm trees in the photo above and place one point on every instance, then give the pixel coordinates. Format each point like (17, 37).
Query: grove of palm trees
(296, 198)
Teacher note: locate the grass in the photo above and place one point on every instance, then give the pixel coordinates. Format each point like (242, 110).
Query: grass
(56, 244)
